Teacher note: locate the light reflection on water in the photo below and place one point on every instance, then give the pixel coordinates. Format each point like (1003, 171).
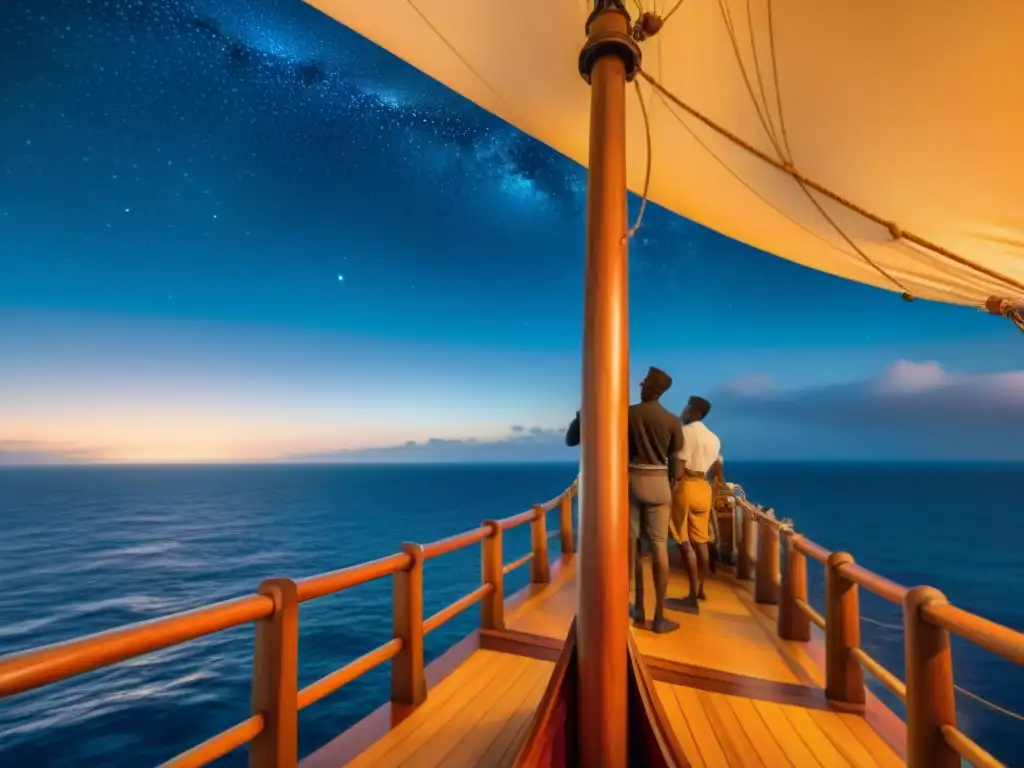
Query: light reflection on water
(89, 549)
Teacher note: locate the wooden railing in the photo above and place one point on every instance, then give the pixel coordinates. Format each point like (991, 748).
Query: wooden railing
(272, 729)
(929, 693)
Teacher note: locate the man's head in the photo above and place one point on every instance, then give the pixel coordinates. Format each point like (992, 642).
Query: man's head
(655, 384)
(696, 409)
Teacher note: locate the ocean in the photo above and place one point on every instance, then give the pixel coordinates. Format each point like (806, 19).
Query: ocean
(86, 549)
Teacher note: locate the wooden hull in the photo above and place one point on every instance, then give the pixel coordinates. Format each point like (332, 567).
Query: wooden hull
(553, 738)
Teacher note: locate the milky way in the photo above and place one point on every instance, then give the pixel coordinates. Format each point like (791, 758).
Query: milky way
(237, 60)
(229, 159)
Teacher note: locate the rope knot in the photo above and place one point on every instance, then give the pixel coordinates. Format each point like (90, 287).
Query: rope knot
(907, 297)
(894, 230)
(648, 26)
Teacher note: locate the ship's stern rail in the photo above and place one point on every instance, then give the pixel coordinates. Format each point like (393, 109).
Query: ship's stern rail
(772, 554)
(272, 729)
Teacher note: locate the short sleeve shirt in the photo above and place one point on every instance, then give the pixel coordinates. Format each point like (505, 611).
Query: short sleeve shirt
(655, 434)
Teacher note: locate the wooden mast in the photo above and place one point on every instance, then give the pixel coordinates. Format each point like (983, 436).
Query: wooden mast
(609, 59)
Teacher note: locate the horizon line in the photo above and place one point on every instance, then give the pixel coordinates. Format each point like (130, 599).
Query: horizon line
(471, 462)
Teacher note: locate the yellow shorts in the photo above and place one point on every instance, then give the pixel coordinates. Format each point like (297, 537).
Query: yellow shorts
(691, 510)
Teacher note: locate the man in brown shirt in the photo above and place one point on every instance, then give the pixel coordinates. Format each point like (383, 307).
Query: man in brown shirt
(655, 438)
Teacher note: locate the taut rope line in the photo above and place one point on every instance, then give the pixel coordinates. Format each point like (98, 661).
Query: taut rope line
(647, 172)
(775, 78)
(768, 516)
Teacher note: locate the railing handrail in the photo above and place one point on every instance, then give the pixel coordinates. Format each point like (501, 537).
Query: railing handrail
(990, 635)
(933, 738)
(35, 668)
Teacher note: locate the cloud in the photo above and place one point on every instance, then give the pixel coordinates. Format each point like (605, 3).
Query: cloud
(30, 452)
(913, 410)
(536, 444)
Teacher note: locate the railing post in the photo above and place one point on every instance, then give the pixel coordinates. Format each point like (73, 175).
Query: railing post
(492, 568)
(766, 585)
(844, 679)
(408, 684)
(540, 567)
(565, 523)
(931, 698)
(793, 624)
(275, 679)
(744, 566)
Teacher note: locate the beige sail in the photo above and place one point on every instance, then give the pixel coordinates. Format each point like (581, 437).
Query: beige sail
(911, 110)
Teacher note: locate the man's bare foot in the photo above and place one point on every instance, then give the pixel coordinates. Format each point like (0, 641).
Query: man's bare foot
(661, 626)
(638, 617)
(701, 595)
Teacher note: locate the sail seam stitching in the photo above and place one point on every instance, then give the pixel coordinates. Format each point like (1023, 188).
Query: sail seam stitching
(744, 182)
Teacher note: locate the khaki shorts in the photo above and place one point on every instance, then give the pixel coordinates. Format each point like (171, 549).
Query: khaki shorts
(650, 506)
(691, 510)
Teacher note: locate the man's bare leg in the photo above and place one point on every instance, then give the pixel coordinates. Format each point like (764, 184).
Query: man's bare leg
(636, 571)
(714, 555)
(690, 560)
(701, 567)
(657, 535)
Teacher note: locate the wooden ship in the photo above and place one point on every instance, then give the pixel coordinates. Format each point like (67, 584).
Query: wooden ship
(555, 675)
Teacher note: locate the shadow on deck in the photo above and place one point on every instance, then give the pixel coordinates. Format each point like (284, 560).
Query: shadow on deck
(731, 692)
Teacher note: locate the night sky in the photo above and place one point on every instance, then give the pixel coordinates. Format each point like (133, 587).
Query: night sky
(236, 230)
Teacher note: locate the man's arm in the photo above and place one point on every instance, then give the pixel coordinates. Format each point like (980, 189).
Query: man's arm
(717, 473)
(676, 459)
(572, 434)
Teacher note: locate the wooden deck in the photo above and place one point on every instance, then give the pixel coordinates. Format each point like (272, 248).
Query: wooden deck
(477, 716)
(733, 693)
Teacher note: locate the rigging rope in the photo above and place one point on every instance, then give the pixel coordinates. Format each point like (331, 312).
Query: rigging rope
(791, 170)
(769, 129)
(989, 704)
(731, 30)
(647, 172)
(775, 78)
(651, 23)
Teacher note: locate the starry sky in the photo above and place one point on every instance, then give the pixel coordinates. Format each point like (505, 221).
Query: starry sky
(238, 231)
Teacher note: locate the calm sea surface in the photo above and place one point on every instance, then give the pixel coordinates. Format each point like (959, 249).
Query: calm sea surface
(87, 549)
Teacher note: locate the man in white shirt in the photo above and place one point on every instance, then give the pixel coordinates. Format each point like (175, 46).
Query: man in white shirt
(693, 499)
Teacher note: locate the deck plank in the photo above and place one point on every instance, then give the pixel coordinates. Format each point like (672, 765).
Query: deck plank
(882, 753)
(495, 732)
(753, 725)
(723, 636)
(551, 616)
(843, 739)
(786, 736)
(692, 707)
(465, 713)
(467, 721)
(677, 722)
(718, 729)
(502, 751)
(734, 739)
(815, 739)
